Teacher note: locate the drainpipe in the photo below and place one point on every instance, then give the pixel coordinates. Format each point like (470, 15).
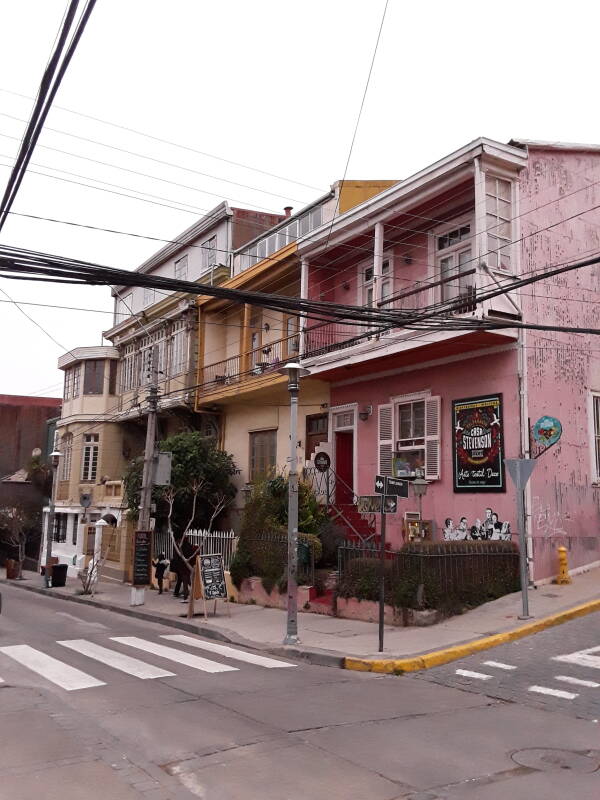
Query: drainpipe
(525, 443)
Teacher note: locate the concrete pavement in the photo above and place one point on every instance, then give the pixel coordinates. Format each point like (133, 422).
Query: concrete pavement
(328, 640)
(303, 732)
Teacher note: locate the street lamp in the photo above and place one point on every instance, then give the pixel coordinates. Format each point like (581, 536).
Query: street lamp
(420, 490)
(54, 459)
(294, 372)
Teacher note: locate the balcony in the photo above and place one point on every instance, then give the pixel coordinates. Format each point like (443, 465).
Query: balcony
(254, 366)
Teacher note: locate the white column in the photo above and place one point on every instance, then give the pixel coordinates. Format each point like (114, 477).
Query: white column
(378, 259)
(303, 296)
(99, 526)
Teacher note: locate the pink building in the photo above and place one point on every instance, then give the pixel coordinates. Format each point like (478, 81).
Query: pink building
(450, 397)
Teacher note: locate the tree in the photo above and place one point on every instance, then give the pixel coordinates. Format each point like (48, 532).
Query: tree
(18, 526)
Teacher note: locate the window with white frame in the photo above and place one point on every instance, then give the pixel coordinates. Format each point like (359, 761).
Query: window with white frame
(67, 455)
(209, 253)
(454, 259)
(123, 307)
(149, 294)
(596, 429)
(409, 437)
(179, 346)
(76, 380)
(498, 192)
(68, 384)
(89, 461)
(368, 286)
(387, 280)
(128, 368)
(181, 269)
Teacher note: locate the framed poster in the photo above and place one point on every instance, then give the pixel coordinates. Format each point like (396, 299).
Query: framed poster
(478, 444)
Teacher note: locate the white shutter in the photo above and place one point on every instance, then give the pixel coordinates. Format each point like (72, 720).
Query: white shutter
(386, 439)
(432, 438)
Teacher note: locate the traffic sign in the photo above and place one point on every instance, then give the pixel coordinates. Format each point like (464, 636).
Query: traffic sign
(379, 484)
(396, 487)
(520, 470)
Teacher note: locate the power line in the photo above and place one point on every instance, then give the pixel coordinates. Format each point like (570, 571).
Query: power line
(51, 80)
(171, 143)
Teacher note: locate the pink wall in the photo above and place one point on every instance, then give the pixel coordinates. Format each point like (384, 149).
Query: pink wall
(563, 367)
(452, 381)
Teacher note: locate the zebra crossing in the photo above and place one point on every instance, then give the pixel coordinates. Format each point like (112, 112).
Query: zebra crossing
(71, 678)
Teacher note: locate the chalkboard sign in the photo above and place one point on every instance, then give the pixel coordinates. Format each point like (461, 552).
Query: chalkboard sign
(212, 576)
(142, 551)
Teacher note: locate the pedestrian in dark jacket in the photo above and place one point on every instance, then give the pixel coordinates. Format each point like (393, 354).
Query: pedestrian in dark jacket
(160, 567)
(177, 566)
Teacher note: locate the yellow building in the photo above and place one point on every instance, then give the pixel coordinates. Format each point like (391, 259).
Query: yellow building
(242, 347)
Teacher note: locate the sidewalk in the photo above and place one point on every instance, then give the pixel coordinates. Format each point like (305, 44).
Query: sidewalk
(328, 640)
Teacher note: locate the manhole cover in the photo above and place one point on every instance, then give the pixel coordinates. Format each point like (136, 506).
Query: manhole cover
(549, 594)
(552, 760)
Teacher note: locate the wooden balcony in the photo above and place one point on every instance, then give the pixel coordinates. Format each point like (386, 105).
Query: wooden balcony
(255, 366)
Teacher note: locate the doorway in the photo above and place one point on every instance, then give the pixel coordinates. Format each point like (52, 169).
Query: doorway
(344, 467)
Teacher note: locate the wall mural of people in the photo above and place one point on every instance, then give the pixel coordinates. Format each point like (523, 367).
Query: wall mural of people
(490, 529)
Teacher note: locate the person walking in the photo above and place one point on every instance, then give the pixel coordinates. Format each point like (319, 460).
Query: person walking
(177, 566)
(160, 567)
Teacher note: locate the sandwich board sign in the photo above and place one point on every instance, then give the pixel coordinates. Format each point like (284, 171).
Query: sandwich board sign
(209, 580)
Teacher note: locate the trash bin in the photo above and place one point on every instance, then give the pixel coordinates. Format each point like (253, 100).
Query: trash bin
(59, 575)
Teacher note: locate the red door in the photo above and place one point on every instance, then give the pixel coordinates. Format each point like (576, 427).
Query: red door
(344, 467)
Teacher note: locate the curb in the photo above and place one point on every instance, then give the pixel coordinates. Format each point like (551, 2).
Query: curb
(398, 666)
(321, 658)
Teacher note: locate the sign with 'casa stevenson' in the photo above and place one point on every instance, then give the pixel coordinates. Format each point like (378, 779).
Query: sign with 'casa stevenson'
(478, 444)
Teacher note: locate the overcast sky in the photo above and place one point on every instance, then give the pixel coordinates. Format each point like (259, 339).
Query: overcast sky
(269, 84)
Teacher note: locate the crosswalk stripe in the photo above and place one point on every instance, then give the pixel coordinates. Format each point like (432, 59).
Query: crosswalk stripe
(553, 692)
(50, 668)
(467, 673)
(498, 665)
(229, 652)
(577, 681)
(112, 658)
(179, 656)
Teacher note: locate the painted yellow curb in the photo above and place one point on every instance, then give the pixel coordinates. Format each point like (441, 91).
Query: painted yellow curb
(438, 657)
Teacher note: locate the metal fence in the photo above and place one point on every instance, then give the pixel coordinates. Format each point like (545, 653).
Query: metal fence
(223, 542)
(452, 568)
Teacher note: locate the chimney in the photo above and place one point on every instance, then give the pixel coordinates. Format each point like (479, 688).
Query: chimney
(288, 211)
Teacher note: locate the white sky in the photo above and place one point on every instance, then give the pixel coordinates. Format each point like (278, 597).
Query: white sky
(271, 84)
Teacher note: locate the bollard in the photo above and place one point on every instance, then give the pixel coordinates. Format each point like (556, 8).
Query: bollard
(563, 566)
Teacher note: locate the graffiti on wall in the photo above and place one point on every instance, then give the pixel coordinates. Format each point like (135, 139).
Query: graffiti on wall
(490, 527)
(547, 521)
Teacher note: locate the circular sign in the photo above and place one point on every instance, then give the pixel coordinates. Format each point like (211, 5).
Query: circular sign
(322, 461)
(547, 431)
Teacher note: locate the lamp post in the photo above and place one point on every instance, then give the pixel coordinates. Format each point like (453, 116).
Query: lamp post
(294, 372)
(54, 459)
(420, 490)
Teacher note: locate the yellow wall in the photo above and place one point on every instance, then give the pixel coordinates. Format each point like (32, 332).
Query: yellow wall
(352, 193)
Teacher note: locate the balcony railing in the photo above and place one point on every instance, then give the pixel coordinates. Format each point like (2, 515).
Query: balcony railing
(263, 360)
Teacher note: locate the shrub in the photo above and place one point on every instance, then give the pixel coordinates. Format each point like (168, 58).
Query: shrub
(331, 536)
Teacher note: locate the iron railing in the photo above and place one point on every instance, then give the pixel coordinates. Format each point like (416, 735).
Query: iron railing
(269, 553)
(224, 542)
(329, 488)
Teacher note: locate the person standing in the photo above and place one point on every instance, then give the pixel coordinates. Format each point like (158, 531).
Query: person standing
(160, 567)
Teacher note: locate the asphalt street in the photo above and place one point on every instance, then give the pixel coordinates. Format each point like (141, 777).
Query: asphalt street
(97, 705)
(557, 669)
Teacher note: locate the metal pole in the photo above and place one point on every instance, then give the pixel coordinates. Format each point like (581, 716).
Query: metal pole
(137, 596)
(382, 576)
(50, 529)
(523, 553)
(291, 636)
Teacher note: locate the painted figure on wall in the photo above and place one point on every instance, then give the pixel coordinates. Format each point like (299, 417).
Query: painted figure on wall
(490, 529)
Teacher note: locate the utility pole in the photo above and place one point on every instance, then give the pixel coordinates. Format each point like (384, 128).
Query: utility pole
(54, 459)
(137, 594)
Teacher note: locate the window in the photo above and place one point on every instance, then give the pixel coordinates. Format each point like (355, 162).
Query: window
(67, 455)
(181, 269)
(292, 340)
(128, 368)
(368, 287)
(75, 525)
(409, 437)
(304, 225)
(316, 216)
(263, 453)
(149, 294)
(89, 464)
(112, 377)
(596, 422)
(498, 222)
(209, 253)
(93, 377)
(68, 384)
(454, 260)
(76, 380)
(179, 344)
(386, 280)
